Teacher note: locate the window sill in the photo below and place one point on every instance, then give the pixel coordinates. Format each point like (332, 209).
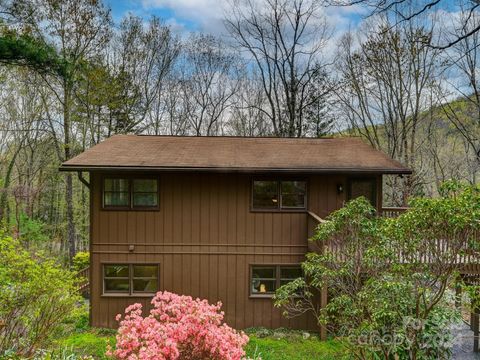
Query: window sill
(302, 210)
(112, 208)
(137, 295)
(261, 296)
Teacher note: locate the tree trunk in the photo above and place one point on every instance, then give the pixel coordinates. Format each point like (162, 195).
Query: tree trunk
(69, 181)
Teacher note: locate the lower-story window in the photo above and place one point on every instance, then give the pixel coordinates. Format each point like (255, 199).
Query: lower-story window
(266, 279)
(130, 279)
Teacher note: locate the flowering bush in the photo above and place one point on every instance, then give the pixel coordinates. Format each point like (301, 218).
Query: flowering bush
(178, 327)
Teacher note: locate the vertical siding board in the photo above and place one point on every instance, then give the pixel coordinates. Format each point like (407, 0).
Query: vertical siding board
(196, 213)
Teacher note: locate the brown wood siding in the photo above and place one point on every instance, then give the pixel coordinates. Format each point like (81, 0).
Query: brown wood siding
(204, 237)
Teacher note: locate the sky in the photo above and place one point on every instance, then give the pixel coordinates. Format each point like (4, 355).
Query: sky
(206, 15)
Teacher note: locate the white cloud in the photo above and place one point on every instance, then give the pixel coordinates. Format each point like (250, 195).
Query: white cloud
(206, 14)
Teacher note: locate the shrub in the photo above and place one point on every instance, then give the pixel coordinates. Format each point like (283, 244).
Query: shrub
(36, 296)
(81, 260)
(178, 327)
(388, 289)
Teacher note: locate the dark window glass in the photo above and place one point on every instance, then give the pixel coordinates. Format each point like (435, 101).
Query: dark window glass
(117, 285)
(293, 194)
(116, 271)
(145, 278)
(290, 273)
(116, 192)
(145, 192)
(116, 278)
(363, 187)
(265, 194)
(263, 280)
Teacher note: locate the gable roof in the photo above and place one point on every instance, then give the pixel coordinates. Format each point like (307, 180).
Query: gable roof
(140, 152)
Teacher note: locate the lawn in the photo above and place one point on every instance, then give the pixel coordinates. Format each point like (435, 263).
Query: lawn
(269, 345)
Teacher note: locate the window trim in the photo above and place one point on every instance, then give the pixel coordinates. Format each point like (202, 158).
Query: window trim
(374, 181)
(277, 267)
(130, 179)
(130, 292)
(279, 207)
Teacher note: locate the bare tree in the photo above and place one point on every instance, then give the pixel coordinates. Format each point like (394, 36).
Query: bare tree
(405, 10)
(463, 59)
(209, 81)
(284, 40)
(385, 83)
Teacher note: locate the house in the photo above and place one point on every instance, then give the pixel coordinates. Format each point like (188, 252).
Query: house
(221, 218)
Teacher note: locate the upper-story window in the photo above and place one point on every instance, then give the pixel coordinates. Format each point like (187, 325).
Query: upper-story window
(279, 194)
(130, 193)
(366, 187)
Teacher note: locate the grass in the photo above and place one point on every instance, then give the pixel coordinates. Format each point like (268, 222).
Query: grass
(298, 349)
(269, 345)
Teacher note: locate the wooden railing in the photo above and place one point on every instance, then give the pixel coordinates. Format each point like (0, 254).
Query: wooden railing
(392, 212)
(83, 277)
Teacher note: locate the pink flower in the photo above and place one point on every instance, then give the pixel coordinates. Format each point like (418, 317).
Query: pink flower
(178, 327)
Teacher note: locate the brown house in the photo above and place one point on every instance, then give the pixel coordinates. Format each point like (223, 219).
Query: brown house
(221, 218)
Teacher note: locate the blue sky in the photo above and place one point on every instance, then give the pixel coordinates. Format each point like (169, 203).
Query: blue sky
(205, 15)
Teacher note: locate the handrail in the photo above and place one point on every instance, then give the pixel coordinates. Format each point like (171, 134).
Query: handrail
(316, 217)
(84, 279)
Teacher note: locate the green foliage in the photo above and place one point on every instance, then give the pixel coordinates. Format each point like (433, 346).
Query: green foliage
(36, 296)
(32, 230)
(91, 343)
(388, 278)
(26, 50)
(271, 348)
(81, 260)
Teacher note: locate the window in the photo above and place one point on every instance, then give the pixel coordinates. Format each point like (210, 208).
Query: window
(145, 192)
(279, 195)
(116, 192)
(130, 279)
(126, 193)
(266, 279)
(265, 195)
(293, 194)
(363, 187)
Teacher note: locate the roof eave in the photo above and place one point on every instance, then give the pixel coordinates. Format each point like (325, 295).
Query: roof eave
(394, 171)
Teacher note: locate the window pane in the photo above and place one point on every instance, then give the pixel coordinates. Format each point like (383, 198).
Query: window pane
(116, 198)
(117, 185)
(145, 185)
(363, 187)
(145, 271)
(145, 199)
(119, 285)
(263, 272)
(290, 272)
(293, 194)
(263, 286)
(116, 271)
(145, 285)
(265, 194)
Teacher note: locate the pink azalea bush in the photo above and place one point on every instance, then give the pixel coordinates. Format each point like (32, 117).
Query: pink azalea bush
(178, 327)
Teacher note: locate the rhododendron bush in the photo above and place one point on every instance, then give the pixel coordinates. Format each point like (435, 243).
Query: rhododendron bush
(178, 327)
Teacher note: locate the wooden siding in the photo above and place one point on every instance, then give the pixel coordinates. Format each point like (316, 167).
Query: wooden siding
(204, 238)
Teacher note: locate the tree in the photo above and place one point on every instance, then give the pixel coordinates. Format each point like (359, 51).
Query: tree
(284, 40)
(403, 11)
(77, 30)
(385, 88)
(388, 278)
(208, 81)
(463, 60)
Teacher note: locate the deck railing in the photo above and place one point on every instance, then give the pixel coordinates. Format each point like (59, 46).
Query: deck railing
(83, 277)
(392, 212)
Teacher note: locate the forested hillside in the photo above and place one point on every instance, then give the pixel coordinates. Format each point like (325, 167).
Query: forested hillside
(72, 76)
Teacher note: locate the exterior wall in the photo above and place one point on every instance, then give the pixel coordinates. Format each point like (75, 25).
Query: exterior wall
(204, 238)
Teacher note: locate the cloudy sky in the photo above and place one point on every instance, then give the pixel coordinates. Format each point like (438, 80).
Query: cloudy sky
(206, 15)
